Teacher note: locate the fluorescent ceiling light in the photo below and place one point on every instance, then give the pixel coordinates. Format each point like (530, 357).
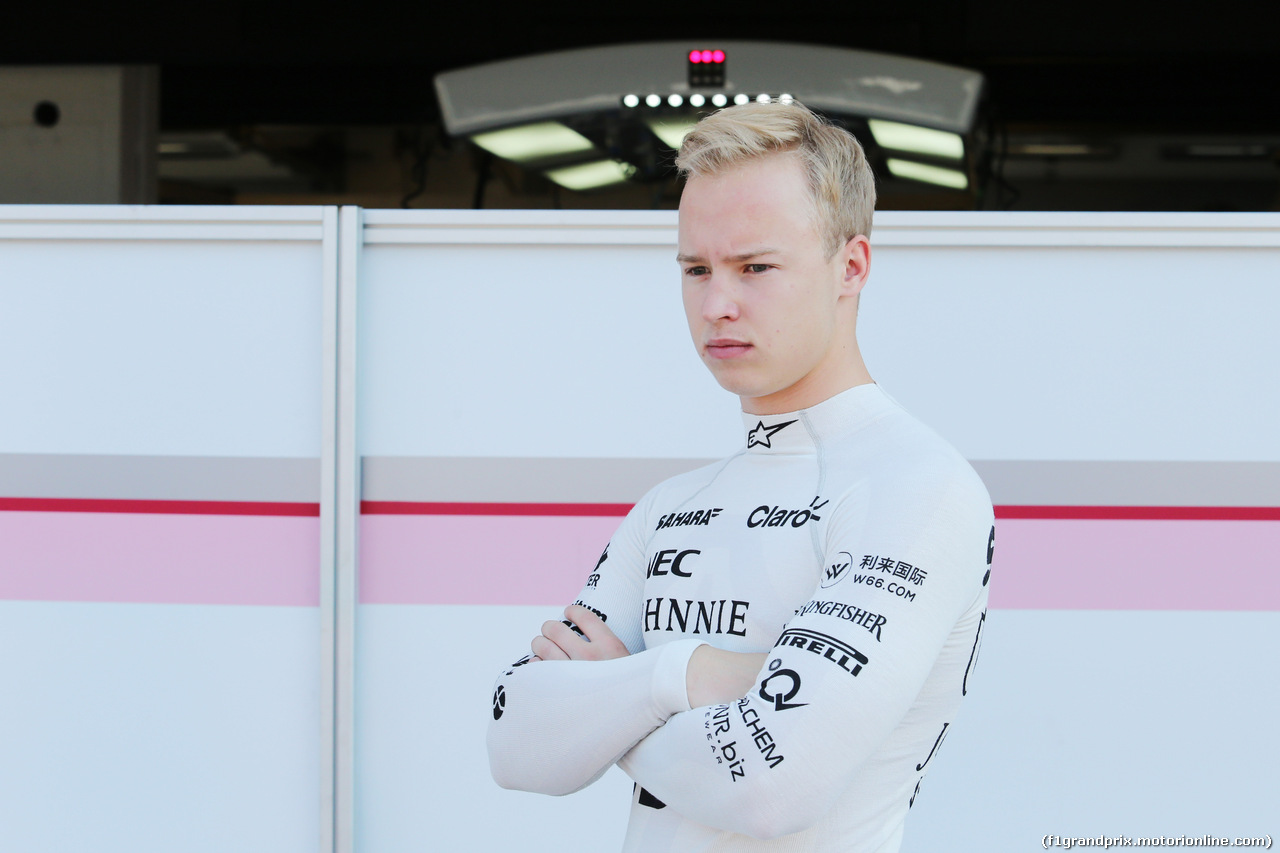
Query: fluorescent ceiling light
(533, 141)
(672, 131)
(1052, 149)
(590, 176)
(929, 174)
(919, 140)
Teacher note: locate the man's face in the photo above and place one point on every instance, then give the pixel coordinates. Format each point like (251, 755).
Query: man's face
(760, 294)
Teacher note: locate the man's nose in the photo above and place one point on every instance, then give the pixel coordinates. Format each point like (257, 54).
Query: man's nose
(720, 299)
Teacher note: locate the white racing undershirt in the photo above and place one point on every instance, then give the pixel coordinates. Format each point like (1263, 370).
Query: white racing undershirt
(849, 542)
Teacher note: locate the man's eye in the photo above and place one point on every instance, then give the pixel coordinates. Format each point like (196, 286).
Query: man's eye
(695, 271)
(757, 267)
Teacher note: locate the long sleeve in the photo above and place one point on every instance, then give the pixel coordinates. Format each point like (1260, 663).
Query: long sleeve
(847, 542)
(558, 725)
(902, 593)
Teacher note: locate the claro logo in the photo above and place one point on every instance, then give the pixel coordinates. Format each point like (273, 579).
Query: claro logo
(776, 516)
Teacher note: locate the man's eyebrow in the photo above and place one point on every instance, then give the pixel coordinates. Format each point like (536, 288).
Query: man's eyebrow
(744, 256)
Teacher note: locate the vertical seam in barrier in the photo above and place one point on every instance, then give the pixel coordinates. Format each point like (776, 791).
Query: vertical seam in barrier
(351, 236)
(328, 518)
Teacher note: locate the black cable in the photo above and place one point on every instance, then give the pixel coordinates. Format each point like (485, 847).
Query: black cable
(482, 178)
(423, 147)
(999, 173)
(995, 157)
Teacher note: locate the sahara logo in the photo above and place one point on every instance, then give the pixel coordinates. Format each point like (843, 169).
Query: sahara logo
(691, 517)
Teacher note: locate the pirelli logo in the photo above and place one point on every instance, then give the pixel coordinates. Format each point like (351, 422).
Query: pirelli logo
(838, 652)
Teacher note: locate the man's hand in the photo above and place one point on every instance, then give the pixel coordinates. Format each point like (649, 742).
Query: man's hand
(558, 641)
(714, 675)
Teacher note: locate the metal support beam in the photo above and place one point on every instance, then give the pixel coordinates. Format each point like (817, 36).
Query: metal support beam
(351, 239)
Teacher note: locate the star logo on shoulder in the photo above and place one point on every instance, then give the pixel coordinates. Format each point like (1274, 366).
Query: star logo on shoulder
(761, 434)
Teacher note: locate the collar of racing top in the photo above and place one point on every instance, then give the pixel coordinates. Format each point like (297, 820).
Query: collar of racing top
(798, 432)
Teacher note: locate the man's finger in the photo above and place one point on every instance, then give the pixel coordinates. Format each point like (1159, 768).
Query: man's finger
(546, 649)
(604, 643)
(563, 635)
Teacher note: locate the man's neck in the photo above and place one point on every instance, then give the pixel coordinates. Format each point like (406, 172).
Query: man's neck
(809, 391)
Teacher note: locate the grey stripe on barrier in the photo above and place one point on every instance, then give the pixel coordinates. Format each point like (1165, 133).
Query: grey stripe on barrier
(179, 478)
(1010, 482)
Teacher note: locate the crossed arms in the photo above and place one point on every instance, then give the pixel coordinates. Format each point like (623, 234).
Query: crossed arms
(712, 676)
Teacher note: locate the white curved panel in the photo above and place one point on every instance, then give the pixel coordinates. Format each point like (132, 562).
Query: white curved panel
(532, 351)
(193, 348)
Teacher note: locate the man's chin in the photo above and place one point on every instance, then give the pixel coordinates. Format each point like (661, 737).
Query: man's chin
(742, 386)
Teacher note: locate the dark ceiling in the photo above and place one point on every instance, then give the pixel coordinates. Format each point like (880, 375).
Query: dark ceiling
(1203, 67)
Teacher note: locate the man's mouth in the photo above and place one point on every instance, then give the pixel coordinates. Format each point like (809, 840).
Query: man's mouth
(727, 348)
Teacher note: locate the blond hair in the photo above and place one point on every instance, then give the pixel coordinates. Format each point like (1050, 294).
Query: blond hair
(840, 180)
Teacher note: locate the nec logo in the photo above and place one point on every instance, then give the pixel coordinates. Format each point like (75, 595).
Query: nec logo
(836, 572)
(673, 558)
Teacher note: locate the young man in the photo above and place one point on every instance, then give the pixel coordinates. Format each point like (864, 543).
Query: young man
(773, 647)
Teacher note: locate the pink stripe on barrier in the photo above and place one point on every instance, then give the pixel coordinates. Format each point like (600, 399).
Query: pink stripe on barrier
(460, 559)
(160, 559)
(1136, 565)
(491, 508)
(155, 507)
(1050, 564)
(1145, 513)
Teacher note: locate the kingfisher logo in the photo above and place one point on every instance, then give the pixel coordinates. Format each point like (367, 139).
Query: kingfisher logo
(760, 436)
(837, 571)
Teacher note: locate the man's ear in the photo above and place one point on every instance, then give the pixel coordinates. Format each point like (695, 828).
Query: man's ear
(855, 264)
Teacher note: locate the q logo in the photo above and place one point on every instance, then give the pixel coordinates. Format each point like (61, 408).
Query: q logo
(782, 676)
